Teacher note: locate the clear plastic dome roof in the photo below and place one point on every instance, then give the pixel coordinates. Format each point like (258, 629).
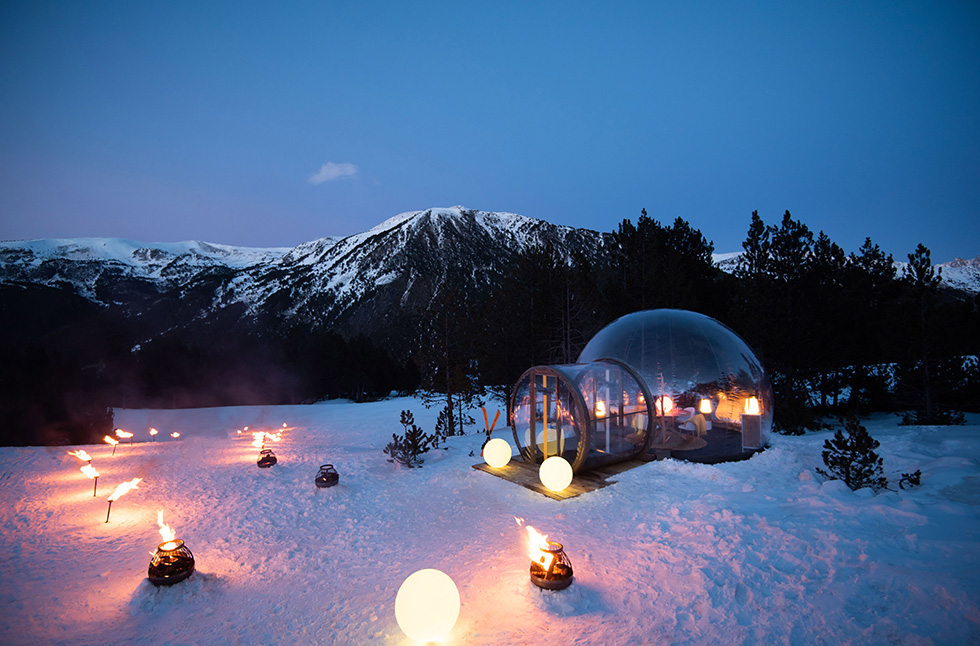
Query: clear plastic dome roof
(696, 362)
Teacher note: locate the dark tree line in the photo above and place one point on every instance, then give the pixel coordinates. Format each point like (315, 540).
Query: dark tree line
(838, 332)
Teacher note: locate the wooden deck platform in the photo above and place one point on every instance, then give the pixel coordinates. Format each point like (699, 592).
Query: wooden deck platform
(526, 475)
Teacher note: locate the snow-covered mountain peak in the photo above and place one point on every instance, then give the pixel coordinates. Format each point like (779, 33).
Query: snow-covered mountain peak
(133, 253)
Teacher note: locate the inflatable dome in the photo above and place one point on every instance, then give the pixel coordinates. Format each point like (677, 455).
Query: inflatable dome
(651, 384)
(700, 374)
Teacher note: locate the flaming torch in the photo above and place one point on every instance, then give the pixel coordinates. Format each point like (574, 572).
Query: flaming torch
(119, 492)
(153, 434)
(175, 435)
(81, 455)
(90, 471)
(173, 561)
(122, 435)
(550, 567)
(113, 441)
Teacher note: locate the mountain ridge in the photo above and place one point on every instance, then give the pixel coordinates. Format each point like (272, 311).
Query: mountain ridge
(401, 262)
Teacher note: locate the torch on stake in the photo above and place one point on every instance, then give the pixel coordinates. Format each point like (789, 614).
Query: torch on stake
(120, 490)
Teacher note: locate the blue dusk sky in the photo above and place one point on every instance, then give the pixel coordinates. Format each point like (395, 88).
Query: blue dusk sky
(270, 124)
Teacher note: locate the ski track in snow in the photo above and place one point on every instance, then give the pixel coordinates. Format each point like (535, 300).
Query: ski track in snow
(756, 552)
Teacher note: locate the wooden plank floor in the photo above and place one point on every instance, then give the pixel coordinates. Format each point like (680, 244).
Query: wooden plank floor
(526, 475)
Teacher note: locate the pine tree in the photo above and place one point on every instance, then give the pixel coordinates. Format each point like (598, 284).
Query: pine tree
(407, 449)
(922, 284)
(853, 458)
(754, 262)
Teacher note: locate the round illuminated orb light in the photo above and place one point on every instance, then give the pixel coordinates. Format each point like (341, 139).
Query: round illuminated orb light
(497, 452)
(427, 605)
(555, 473)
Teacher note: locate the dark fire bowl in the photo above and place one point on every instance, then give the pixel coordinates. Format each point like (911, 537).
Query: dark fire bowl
(170, 566)
(560, 579)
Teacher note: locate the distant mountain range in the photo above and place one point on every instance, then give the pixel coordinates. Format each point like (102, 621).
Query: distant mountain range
(355, 281)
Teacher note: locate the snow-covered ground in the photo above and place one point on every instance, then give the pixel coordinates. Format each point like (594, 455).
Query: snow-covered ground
(756, 552)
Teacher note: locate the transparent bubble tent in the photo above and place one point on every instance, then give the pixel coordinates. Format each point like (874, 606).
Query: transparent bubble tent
(651, 384)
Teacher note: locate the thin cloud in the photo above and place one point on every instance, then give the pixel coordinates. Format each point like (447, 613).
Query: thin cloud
(331, 171)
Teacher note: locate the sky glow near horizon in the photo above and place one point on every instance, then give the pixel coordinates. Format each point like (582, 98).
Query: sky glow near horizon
(268, 126)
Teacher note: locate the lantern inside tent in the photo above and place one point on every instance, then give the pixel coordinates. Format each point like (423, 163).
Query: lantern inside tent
(651, 384)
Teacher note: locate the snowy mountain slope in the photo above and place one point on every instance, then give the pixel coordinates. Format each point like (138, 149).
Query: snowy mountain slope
(402, 262)
(86, 264)
(756, 552)
(962, 274)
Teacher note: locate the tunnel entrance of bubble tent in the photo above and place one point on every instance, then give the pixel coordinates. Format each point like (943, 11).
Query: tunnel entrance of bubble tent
(589, 414)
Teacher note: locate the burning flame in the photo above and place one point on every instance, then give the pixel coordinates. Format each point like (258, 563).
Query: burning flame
(124, 488)
(166, 532)
(259, 438)
(153, 431)
(705, 407)
(537, 545)
(81, 455)
(110, 440)
(664, 405)
(600, 409)
(90, 471)
(752, 406)
(537, 548)
(123, 434)
(175, 435)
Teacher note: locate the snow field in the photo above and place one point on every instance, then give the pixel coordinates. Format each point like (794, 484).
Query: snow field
(755, 552)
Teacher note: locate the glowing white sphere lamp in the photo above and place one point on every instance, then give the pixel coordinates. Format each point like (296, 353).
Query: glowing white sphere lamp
(427, 605)
(555, 473)
(497, 452)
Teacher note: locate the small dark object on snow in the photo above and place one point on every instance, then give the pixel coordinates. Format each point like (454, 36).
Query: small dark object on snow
(266, 458)
(327, 476)
(914, 479)
(171, 563)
